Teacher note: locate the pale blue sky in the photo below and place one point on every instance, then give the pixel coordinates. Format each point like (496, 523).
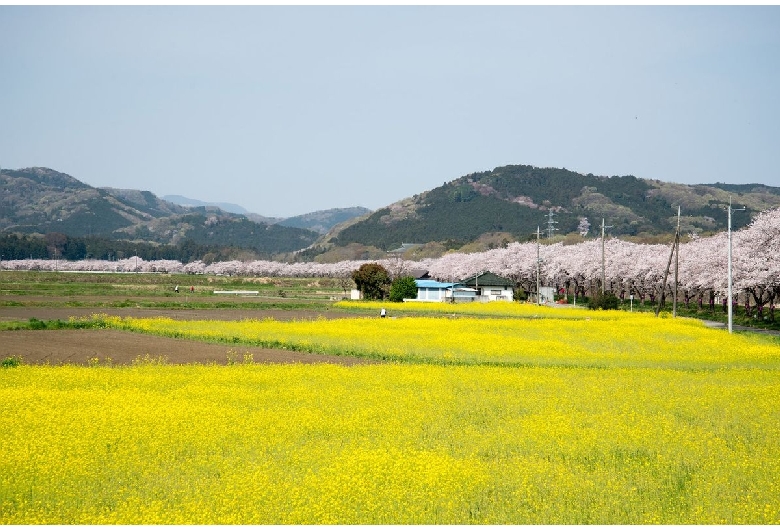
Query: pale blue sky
(288, 110)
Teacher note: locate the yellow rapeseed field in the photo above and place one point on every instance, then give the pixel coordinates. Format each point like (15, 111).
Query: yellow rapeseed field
(596, 339)
(497, 308)
(603, 418)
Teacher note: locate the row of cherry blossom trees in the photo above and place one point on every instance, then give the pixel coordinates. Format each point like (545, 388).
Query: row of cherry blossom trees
(629, 268)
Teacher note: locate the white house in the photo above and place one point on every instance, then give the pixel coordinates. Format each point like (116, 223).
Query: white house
(488, 287)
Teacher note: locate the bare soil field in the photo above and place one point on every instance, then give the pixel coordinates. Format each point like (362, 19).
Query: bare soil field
(64, 313)
(57, 347)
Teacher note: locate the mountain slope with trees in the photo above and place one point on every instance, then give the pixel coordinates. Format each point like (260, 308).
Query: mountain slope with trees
(517, 199)
(41, 201)
(324, 220)
(472, 213)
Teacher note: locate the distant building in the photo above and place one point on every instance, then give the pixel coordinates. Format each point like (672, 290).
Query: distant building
(434, 291)
(482, 287)
(489, 287)
(419, 274)
(546, 295)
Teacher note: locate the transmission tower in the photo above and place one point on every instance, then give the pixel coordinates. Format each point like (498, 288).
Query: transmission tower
(550, 225)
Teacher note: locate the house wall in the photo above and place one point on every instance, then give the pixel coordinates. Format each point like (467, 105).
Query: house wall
(491, 294)
(425, 294)
(547, 294)
(465, 296)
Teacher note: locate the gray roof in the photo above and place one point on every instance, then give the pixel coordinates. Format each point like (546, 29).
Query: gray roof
(487, 279)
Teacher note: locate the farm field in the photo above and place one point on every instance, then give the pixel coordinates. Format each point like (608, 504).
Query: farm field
(46, 296)
(467, 414)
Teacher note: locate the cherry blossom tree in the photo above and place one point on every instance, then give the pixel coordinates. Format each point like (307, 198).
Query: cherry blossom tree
(628, 267)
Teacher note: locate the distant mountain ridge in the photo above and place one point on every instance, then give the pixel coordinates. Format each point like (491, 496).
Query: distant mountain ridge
(224, 206)
(324, 220)
(41, 200)
(186, 201)
(517, 200)
(470, 213)
(320, 221)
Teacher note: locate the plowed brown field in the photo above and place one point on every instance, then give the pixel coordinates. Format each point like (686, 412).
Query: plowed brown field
(78, 346)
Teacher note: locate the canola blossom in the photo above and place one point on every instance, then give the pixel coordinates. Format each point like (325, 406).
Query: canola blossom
(495, 309)
(388, 444)
(598, 418)
(614, 339)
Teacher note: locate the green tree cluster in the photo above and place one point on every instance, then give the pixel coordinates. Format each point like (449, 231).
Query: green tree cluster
(372, 280)
(606, 300)
(403, 287)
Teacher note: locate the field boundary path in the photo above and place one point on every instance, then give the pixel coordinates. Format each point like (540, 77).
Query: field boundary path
(723, 325)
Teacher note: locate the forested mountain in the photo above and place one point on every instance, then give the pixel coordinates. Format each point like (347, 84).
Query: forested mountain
(517, 199)
(40, 200)
(324, 220)
(471, 213)
(44, 201)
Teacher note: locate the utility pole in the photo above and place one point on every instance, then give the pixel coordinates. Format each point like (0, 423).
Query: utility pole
(603, 260)
(730, 294)
(538, 262)
(675, 252)
(676, 262)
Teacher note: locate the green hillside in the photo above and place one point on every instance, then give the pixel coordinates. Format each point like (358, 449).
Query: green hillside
(41, 201)
(471, 212)
(517, 199)
(323, 221)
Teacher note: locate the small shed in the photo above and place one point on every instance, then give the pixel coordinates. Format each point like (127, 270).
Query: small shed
(547, 294)
(490, 287)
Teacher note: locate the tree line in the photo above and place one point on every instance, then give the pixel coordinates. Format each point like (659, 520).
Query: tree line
(611, 265)
(55, 245)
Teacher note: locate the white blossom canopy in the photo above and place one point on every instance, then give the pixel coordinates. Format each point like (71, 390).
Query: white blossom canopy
(628, 267)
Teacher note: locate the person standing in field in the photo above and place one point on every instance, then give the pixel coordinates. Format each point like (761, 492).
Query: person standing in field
(382, 313)
(176, 288)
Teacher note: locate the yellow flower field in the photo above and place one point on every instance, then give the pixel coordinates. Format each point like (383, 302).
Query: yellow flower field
(617, 339)
(387, 444)
(619, 420)
(496, 309)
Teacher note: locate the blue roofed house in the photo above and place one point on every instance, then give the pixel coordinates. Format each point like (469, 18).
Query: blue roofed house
(435, 291)
(432, 290)
(482, 287)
